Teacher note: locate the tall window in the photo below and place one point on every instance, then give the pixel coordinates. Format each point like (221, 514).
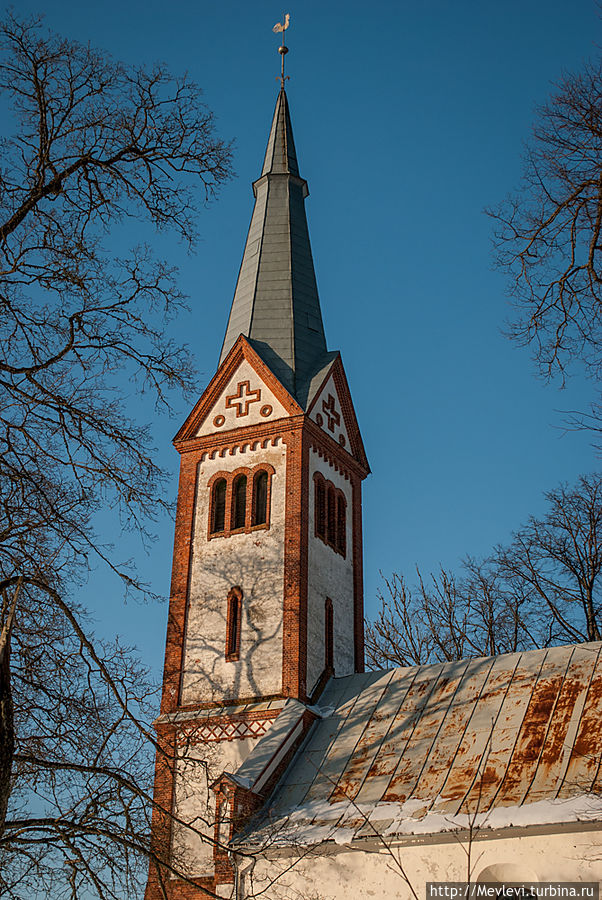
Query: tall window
(341, 525)
(320, 500)
(260, 498)
(328, 636)
(233, 624)
(239, 502)
(332, 516)
(218, 506)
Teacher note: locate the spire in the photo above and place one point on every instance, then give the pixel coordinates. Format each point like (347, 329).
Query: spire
(276, 304)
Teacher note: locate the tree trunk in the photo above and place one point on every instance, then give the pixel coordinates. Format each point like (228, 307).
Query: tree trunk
(7, 733)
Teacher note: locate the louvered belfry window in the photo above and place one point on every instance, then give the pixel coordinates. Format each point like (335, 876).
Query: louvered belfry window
(218, 506)
(330, 514)
(320, 500)
(239, 502)
(260, 498)
(341, 525)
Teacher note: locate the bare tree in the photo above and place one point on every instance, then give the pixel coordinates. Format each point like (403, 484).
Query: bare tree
(95, 143)
(445, 617)
(548, 235)
(557, 561)
(543, 588)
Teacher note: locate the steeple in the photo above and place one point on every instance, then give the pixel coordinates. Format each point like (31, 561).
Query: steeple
(276, 304)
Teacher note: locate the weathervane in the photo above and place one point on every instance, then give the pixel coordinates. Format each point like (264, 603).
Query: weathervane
(282, 49)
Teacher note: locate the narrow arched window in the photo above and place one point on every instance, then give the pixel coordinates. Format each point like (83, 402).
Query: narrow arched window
(218, 506)
(328, 636)
(332, 516)
(320, 501)
(341, 525)
(233, 624)
(260, 498)
(239, 502)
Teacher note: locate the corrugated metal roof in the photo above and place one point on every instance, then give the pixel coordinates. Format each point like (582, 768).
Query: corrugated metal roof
(504, 740)
(276, 302)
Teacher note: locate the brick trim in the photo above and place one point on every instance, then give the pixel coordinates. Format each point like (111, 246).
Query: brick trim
(358, 574)
(238, 439)
(351, 423)
(178, 602)
(332, 451)
(294, 655)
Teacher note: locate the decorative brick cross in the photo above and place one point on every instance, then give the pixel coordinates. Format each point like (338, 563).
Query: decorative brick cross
(331, 413)
(243, 398)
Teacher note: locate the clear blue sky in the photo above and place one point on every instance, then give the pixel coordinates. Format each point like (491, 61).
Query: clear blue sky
(409, 119)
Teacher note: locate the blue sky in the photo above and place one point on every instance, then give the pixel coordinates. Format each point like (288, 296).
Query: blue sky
(409, 119)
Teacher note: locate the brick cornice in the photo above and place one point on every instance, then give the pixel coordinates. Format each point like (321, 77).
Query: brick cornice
(238, 437)
(327, 447)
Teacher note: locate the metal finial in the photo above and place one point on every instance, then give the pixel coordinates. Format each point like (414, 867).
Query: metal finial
(282, 49)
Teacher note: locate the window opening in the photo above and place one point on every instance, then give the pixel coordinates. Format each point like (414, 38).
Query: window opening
(239, 502)
(332, 513)
(233, 624)
(320, 499)
(260, 505)
(218, 517)
(341, 525)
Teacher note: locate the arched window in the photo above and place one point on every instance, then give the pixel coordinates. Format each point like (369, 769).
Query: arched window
(218, 506)
(233, 624)
(320, 508)
(341, 525)
(260, 498)
(331, 522)
(329, 636)
(239, 502)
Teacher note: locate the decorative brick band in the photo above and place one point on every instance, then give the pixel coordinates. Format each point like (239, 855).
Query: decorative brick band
(235, 729)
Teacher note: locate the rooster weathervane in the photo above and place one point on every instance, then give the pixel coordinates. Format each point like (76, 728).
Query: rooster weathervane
(282, 49)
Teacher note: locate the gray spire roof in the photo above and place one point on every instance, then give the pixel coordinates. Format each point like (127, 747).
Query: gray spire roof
(276, 304)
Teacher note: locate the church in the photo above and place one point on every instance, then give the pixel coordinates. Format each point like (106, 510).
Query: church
(287, 770)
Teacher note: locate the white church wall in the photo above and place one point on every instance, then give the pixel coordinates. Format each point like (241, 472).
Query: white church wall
(329, 575)
(254, 562)
(332, 872)
(197, 766)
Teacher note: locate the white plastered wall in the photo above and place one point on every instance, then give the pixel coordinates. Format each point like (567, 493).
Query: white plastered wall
(329, 575)
(254, 562)
(331, 873)
(198, 766)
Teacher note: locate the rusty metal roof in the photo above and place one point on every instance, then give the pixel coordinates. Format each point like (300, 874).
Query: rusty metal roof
(513, 739)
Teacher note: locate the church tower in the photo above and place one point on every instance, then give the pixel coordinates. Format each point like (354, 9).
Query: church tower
(266, 597)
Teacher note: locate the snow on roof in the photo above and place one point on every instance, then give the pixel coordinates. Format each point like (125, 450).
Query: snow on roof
(491, 742)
